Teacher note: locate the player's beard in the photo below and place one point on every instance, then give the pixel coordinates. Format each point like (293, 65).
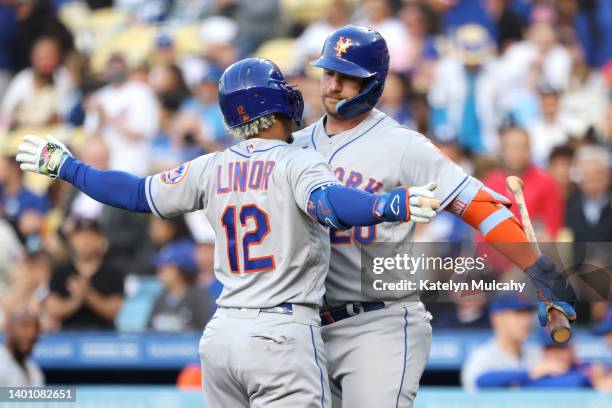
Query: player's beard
(330, 108)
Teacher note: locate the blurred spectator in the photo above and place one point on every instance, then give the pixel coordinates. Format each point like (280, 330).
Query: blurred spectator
(542, 195)
(17, 369)
(29, 283)
(145, 11)
(589, 209)
(36, 19)
(540, 56)
(506, 24)
(608, 121)
(309, 86)
(206, 280)
(35, 94)
(464, 311)
(164, 153)
(125, 232)
(257, 22)
(548, 131)
(464, 91)
(86, 293)
(307, 47)
(165, 51)
(168, 79)
(571, 373)
(22, 208)
(10, 251)
(201, 115)
(8, 28)
(421, 44)
(604, 328)
(585, 98)
(594, 30)
(217, 37)
(125, 114)
(204, 235)
(164, 232)
(95, 153)
(378, 15)
(559, 167)
(189, 11)
(182, 305)
(83, 84)
(504, 360)
(394, 99)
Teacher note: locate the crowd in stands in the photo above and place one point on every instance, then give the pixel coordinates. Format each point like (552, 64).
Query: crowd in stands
(502, 87)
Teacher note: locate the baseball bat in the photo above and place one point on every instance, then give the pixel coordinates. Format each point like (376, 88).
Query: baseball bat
(558, 325)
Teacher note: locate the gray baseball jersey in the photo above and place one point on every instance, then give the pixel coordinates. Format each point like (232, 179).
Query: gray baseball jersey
(377, 155)
(268, 250)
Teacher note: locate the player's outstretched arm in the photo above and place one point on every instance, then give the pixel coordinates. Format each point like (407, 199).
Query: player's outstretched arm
(50, 157)
(487, 211)
(342, 207)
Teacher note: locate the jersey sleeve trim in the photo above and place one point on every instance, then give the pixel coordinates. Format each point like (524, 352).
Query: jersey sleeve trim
(239, 154)
(453, 193)
(312, 136)
(149, 196)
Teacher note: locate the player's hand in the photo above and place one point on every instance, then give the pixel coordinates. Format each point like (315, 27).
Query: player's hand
(43, 156)
(408, 204)
(554, 290)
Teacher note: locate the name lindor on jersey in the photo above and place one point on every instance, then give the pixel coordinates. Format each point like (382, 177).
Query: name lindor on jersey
(242, 175)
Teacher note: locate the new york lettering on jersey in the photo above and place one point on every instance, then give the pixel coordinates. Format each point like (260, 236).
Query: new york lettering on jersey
(378, 154)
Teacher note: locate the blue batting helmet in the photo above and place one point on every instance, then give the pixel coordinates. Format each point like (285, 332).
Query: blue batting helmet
(361, 52)
(255, 87)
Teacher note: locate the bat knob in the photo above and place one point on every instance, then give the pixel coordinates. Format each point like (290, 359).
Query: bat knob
(561, 335)
(558, 327)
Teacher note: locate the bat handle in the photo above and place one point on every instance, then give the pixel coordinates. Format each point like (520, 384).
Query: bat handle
(558, 326)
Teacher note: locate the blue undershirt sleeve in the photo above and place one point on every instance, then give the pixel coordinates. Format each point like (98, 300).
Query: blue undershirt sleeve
(349, 206)
(115, 188)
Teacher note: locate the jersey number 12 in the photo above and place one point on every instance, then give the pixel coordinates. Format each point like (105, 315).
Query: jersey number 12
(253, 237)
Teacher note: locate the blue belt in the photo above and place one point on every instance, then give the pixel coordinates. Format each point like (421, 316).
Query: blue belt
(285, 308)
(348, 310)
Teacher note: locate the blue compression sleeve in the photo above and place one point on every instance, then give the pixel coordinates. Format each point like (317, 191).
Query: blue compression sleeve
(114, 188)
(349, 206)
(502, 378)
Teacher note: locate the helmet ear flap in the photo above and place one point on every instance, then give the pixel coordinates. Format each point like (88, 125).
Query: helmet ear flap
(364, 102)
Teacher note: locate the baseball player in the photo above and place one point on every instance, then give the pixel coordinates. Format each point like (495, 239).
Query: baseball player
(265, 199)
(377, 348)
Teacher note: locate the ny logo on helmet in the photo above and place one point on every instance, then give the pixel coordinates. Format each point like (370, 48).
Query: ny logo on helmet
(342, 46)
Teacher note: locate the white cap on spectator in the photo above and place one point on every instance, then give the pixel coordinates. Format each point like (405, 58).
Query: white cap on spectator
(473, 44)
(218, 30)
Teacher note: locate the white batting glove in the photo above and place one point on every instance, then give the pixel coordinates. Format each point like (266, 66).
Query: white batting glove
(42, 156)
(422, 203)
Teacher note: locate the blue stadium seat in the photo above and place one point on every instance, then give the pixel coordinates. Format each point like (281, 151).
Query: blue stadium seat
(140, 295)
